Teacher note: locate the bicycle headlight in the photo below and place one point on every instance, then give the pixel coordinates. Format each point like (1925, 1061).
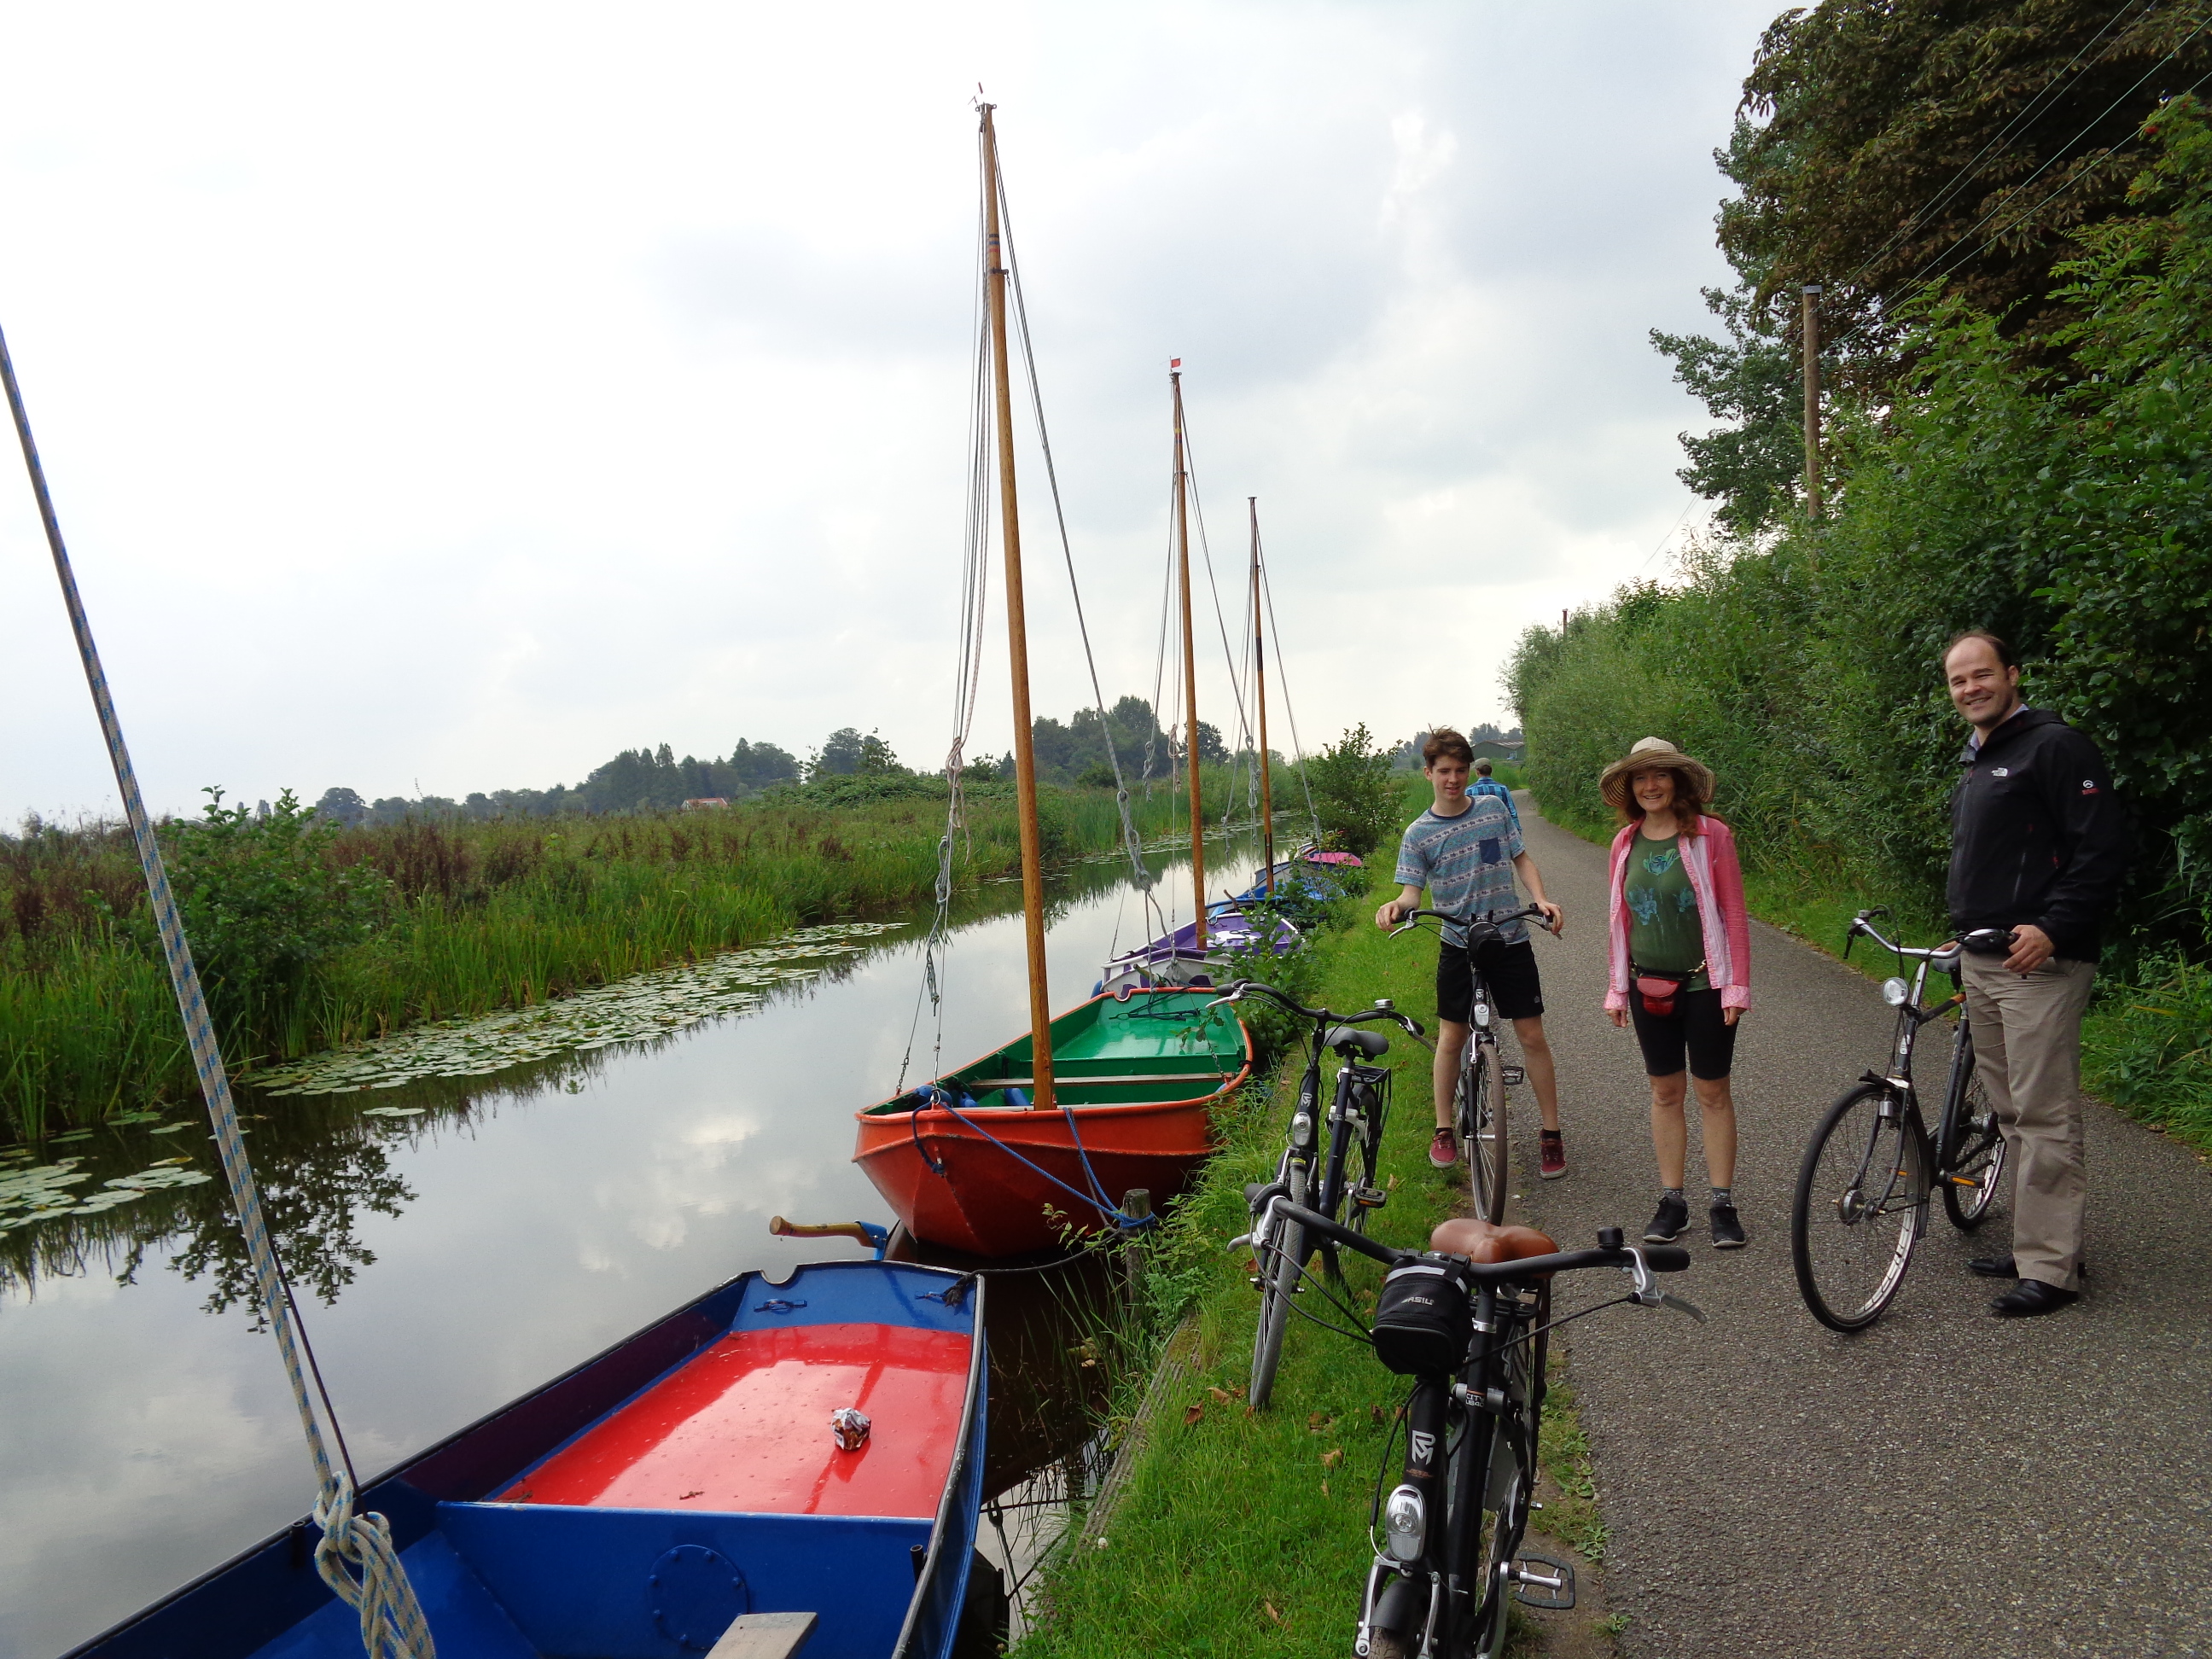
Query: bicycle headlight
(1894, 992)
(1404, 1524)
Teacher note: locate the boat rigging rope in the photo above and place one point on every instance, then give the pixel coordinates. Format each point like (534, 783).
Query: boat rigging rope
(1130, 839)
(1283, 680)
(355, 1556)
(942, 1100)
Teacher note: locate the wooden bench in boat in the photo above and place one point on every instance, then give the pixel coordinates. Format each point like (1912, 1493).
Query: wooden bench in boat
(765, 1636)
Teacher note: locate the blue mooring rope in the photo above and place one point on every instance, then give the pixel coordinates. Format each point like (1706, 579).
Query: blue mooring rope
(355, 1556)
(1096, 1197)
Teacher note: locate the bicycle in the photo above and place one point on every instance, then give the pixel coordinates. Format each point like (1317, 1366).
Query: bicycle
(1861, 1199)
(1474, 1335)
(1357, 1112)
(1480, 1110)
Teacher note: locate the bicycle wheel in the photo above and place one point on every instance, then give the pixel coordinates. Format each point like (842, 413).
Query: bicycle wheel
(1480, 1116)
(1507, 1491)
(1280, 1254)
(1977, 1165)
(1862, 1201)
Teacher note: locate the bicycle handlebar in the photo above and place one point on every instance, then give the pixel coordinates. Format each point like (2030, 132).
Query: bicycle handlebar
(1236, 988)
(1864, 923)
(1473, 918)
(1662, 1258)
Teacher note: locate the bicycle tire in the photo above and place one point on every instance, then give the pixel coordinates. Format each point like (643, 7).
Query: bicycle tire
(1974, 1172)
(1851, 1239)
(1280, 1256)
(1508, 1501)
(1481, 1118)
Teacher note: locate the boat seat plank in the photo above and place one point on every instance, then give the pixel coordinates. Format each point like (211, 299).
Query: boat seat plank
(1070, 1079)
(765, 1636)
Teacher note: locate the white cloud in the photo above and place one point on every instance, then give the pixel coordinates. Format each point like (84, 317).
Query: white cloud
(448, 398)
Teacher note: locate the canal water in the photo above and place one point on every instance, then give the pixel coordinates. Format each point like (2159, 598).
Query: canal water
(461, 1240)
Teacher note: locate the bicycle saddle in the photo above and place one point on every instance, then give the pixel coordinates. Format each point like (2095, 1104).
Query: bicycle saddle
(1481, 1241)
(1344, 1038)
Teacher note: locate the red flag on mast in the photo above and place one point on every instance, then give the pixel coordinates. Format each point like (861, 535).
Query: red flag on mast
(1175, 362)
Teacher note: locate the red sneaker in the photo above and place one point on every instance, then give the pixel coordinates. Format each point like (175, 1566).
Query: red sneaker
(1444, 1151)
(1553, 1153)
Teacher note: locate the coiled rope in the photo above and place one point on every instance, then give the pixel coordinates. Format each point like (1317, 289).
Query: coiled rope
(355, 1556)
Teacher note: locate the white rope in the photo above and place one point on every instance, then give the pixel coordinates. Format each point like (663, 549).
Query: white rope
(1283, 680)
(355, 1556)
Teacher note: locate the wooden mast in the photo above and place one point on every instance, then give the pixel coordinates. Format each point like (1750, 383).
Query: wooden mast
(1189, 670)
(1043, 1096)
(1260, 680)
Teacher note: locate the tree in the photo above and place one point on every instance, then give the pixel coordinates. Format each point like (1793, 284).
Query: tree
(341, 806)
(1883, 146)
(1352, 792)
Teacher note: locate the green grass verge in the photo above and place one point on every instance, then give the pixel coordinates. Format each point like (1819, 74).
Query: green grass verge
(1236, 1532)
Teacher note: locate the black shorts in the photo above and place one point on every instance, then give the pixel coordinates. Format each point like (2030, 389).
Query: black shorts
(1695, 1028)
(1509, 969)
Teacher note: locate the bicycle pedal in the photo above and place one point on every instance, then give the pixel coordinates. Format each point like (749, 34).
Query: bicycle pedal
(1370, 1198)
(1512, 1076)
(1532, 1587)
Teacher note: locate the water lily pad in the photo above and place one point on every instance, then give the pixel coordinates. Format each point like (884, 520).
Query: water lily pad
(168, 1128)
(394, 1111)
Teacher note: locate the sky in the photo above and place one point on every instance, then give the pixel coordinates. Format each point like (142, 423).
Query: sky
(442, 397)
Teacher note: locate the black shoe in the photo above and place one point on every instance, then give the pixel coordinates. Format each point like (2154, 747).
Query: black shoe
(1666, 1225)
(2030, 1297)
(1727, 1229)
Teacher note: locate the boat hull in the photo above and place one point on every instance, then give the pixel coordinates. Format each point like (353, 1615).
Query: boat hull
(634, 1507)
(997, 1179)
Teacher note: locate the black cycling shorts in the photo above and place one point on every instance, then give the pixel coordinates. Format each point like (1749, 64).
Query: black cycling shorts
(1516, 991)
(1695, 1028)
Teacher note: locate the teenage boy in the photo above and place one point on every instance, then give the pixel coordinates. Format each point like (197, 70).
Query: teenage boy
(1465, 849)
(2038, 845)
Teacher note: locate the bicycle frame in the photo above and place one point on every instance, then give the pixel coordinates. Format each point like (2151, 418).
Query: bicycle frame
(1912, 1013)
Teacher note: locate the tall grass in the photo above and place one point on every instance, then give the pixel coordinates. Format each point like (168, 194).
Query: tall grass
(482, 916)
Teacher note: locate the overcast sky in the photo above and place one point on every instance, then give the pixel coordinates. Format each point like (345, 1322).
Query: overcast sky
(443, 397)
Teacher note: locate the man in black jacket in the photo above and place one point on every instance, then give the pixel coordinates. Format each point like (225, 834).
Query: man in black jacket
(2038, 845)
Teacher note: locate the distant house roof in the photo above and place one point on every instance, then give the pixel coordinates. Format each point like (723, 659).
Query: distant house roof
(1497, 748)
(705, 801)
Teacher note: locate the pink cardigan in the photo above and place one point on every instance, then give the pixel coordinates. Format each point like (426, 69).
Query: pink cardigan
(1708, 857)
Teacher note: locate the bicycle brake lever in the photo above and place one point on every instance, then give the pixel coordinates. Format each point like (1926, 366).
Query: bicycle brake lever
(1668, 1299)
(1645, 1291)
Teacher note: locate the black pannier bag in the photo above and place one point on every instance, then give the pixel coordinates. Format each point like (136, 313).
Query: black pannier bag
(1423, 1319)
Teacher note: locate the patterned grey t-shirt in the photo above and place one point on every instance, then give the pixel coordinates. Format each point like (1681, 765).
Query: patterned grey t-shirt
(1466, 862)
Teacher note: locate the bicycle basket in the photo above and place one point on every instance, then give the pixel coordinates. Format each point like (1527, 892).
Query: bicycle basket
(1423, 1319)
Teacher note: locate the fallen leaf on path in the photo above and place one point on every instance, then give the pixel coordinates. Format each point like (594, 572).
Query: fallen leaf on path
(1192, 1413)
(1272, 1613)
(1330, 1458)
(1221, 1396)
(1376, 1412)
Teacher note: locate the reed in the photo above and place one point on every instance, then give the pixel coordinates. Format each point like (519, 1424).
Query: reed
(481, 916)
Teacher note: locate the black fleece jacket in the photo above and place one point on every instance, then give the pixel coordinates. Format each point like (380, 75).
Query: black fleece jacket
(2037, 835)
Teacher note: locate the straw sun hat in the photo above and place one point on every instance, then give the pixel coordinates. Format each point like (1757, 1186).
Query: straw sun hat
(1613, 782)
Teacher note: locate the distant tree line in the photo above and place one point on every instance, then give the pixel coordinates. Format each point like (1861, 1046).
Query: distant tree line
(1408, 755)
(655, 780)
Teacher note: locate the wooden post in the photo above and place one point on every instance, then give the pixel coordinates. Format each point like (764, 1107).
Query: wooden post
(1136, 1204)
(1812, 331)
(1042, 1096)
(1189, 673)
(1259, 679)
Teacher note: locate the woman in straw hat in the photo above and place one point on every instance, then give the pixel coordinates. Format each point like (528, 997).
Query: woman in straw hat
(1680, 964)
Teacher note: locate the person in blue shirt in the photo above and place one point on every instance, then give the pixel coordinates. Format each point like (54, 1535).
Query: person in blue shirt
(1484, 784)
(1466, 849)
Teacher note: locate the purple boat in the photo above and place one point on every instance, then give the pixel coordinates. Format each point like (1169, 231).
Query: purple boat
(1175, 958)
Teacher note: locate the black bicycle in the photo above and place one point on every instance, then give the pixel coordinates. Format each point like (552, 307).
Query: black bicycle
(1352, 1129)
(1480, 1114)
(1862, 1201)
(1473, 1336)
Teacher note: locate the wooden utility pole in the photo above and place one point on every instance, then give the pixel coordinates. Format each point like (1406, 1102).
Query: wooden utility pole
(1812, 332)
(1189, 670)
(1260, 679)
(1042, 1095)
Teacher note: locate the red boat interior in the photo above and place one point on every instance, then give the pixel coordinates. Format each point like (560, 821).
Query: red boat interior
(743, 1426)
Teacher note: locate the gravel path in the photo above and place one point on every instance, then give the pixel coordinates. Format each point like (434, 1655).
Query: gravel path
(1944, 1483)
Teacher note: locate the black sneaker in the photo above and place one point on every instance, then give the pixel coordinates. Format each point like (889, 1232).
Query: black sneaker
(1666, 1225)
(1728, 1229)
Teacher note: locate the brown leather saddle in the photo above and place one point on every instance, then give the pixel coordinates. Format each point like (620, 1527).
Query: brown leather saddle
(1486, 1243)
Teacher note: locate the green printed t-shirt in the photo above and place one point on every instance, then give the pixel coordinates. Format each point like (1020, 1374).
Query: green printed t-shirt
(1664, 932)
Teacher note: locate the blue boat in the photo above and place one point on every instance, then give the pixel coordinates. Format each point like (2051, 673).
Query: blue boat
(687, 1488)
(1310, 873)
(1176, 958)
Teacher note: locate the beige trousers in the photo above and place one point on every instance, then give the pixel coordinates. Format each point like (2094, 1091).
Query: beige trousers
(2028, 1051)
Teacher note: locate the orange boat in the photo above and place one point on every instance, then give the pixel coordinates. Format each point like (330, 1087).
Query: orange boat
(969, 1162)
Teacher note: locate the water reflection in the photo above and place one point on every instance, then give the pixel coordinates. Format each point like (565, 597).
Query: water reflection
(459, 1257)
